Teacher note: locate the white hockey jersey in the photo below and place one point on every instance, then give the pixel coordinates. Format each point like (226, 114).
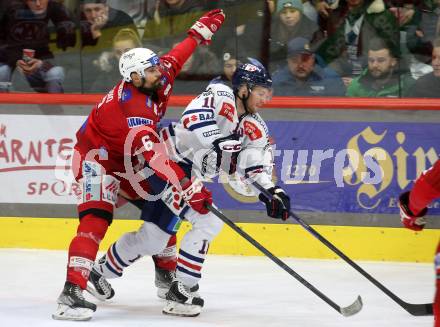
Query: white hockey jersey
(213, 115)
(208, 117)
(256, 158)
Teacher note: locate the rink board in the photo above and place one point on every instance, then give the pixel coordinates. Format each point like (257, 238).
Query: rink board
(359, 243)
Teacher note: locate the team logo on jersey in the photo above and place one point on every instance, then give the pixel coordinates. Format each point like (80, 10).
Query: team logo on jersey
(252, 131)
(227, 110)
(126, 95)
(138, 121)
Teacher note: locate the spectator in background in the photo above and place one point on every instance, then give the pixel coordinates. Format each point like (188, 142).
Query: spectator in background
(289, 22)
(230, 63)
(136, 9)
(108, 63)
(428, 86)
(427, 31)
(99, 24)
(197, 71)
(408, 15)
(349, 27)
(171, 19)
(25, 25)
(382, 77)
(303, 77)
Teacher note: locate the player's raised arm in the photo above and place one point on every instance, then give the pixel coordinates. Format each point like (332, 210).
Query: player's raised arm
(200, 33)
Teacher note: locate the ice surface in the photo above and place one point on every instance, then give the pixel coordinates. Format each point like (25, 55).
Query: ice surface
(238, 291)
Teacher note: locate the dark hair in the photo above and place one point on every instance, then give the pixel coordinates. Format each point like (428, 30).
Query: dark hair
(378, 43)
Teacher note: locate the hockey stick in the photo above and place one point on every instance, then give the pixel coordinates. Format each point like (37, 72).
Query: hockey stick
(414, 309)
(350, 310)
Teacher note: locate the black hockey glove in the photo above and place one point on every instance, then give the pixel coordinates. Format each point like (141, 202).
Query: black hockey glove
(279, 206)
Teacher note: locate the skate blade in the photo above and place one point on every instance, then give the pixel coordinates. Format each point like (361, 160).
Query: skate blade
(64, 312)
(162, 293)
(182, 310)
(91, 290)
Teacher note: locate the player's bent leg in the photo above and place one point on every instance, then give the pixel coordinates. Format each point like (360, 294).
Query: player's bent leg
(148, 240)
(193, 249)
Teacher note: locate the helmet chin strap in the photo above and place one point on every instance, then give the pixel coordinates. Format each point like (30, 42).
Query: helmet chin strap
(244, 99)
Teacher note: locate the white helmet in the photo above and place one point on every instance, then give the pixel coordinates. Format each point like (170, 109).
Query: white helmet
(136, 61)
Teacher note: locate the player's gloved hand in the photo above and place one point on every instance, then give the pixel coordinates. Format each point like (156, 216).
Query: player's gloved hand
(196, 195)
(207, 25)
(410, 220)
(228, 144)
(279, 206)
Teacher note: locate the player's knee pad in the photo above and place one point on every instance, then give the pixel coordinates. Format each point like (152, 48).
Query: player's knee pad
(99, 192)
(208, 225)
(148, 240)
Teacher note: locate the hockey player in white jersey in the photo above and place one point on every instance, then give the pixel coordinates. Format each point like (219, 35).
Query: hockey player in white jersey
(216, 127)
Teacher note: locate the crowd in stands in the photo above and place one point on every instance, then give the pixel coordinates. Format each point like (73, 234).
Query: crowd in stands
(355, 48)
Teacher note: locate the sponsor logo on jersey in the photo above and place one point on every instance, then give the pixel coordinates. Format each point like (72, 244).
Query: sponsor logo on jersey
(206, 116)
(110, 189)
(225, 94)
(126, 95)
(198, 117)
(211, 133)
(258, 118)
(138, 121)
(252, 131)
(227, 110)
(92, 181)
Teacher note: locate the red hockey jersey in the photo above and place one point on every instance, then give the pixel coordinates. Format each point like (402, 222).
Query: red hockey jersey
(125, 110)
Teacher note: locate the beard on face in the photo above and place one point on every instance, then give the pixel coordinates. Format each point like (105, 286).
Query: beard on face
(379, 74)
(151, 91)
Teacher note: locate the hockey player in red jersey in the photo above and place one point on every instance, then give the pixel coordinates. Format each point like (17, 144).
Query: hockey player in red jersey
(119, 134)
(413, 208)
(219, 125)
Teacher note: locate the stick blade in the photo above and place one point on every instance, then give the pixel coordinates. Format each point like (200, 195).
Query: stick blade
(419, 309)
(353, 308)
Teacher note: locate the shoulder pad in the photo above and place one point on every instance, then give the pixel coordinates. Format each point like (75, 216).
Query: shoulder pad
(221, 90)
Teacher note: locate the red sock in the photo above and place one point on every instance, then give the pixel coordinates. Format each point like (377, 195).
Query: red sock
(168, 258)
(84, 247)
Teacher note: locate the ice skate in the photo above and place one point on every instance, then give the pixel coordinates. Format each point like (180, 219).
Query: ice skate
(182, 302)
(72, 305)
(164, 278)
(99, 287)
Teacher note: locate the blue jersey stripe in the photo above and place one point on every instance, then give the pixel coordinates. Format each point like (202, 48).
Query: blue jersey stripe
(195, 111)
(117, 257)
(109, 267)
(196, 275)
(200, 125)
(190, 256)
